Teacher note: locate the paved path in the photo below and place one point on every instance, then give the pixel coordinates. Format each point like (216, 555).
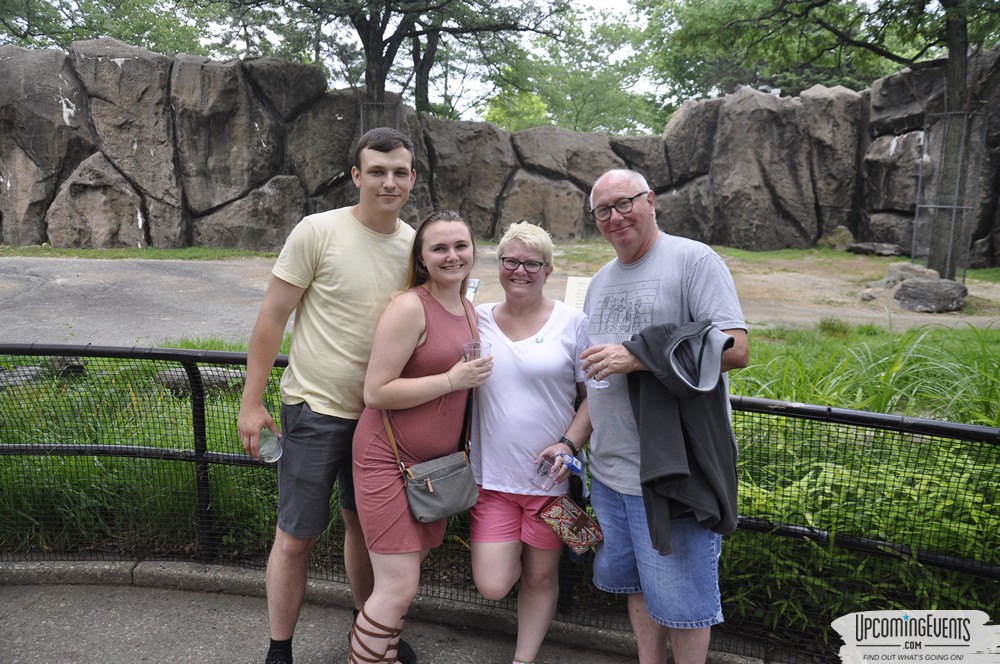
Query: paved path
(137, 302)
(128, 612)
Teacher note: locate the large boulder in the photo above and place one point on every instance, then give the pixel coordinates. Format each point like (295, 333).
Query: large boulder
(687, 211)
(227, 142)
(259, 221)
(44, 136)
(891, 228)
(566, 155)
(900, 102)
(287, 86)
(833, 121)
(932, 296)
(473, 162)
(130, 112)
(97, 208)
(555, 205)
(647, 155)
(892, 172)
(761, 177)
(320, 141)
(168, 225)
(690, 138)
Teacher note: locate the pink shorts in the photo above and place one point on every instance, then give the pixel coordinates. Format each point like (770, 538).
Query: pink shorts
(508, 517)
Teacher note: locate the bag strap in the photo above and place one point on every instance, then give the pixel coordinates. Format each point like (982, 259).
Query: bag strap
(466, 425)
(392, 441)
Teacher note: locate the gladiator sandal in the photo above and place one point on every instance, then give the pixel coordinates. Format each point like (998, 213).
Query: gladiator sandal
(369, 656)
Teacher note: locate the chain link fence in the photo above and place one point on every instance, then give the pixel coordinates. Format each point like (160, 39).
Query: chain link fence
(948, 180)
(132, 454)
(372, 115)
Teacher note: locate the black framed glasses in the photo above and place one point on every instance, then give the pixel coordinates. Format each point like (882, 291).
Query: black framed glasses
(622, 205)
(531, 267)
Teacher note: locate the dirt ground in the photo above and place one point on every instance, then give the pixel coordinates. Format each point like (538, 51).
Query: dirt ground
(151, 302)
(798, 293)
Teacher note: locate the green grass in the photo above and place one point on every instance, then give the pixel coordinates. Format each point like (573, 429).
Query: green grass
(208, 343)
(763, 257)
(991, 274)
(189, 253)
(950, 374)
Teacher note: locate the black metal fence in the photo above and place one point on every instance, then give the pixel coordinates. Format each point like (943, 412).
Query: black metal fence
(132, 454)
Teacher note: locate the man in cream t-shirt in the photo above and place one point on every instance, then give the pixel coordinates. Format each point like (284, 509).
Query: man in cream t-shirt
(337, 271)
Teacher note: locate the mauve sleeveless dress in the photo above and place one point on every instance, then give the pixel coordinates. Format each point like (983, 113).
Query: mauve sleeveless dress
(424, 432)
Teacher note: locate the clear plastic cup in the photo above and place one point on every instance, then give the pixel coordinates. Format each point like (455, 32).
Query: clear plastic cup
(270, 446)
(473, 350)
(541, 477)
(593, 383)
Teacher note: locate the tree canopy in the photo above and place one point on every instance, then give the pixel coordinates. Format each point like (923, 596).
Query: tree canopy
(702, 48)
(323, 30)
(162, 26)
(587, 77)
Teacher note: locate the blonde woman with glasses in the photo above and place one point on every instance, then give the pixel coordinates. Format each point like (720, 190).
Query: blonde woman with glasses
(525, 412)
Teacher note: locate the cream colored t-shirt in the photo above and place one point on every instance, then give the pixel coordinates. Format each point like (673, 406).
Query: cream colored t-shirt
(349, 272)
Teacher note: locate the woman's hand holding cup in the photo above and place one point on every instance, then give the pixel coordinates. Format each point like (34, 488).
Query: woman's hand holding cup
(471, 372)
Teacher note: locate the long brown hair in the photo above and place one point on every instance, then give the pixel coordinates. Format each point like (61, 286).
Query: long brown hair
(418, 271)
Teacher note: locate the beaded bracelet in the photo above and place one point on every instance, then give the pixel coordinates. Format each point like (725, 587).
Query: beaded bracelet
(566, 441)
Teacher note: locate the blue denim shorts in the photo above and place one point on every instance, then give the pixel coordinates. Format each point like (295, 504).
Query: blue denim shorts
(681, 589)
(316, 453)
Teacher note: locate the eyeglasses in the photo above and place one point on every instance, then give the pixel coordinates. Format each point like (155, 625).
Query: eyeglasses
(622, 205)
(531, 267)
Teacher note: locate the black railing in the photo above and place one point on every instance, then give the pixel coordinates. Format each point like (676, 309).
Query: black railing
(132, 453)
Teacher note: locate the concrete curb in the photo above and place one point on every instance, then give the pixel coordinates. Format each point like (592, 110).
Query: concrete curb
(197, 577)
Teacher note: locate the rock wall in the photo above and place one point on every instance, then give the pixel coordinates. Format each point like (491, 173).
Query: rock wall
(111, 145)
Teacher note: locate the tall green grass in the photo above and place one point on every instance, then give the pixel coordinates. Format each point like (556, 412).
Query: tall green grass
(64, 503)
(951, 374)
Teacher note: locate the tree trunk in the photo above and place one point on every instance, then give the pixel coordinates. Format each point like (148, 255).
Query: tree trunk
(949, 198)
(422, 64)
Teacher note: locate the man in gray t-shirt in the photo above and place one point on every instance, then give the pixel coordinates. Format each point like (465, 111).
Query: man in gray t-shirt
(656, 279)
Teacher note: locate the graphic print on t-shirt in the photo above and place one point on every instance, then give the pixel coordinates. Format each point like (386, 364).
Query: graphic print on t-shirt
(622, 310)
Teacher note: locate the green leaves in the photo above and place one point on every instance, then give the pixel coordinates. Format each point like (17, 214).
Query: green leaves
(579, 79)
(951, 374)
(702, 48)
(162, 26)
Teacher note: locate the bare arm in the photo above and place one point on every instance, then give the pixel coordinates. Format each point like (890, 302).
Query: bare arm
(399, 331)
(578, 432)
(280, 301)
(737, 356)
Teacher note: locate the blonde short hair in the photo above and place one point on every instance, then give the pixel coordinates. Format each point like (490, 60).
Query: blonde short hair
(530, 235)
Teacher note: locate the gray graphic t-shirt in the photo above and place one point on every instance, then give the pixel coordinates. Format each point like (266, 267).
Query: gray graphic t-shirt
(678, 281)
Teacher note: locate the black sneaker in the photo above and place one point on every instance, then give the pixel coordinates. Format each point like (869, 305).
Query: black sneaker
(278, 657)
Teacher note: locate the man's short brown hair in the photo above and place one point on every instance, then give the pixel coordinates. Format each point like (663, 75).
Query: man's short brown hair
(383, 139)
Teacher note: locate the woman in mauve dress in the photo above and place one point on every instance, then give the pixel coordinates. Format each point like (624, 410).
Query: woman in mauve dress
(418, 374)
